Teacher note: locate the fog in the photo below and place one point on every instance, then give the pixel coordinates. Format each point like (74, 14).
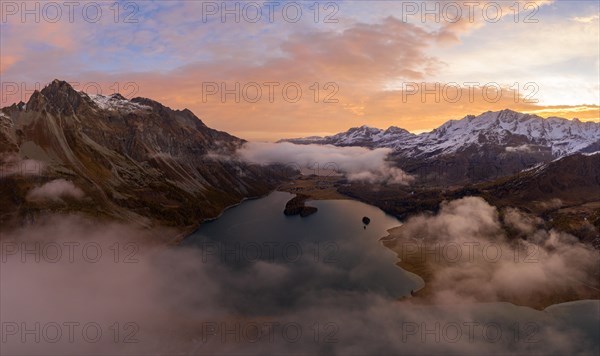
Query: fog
(357, 163)
(478, 262)
(69, 270)
(55, 190)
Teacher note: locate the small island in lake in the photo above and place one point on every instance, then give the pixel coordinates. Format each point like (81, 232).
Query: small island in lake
(295, 206)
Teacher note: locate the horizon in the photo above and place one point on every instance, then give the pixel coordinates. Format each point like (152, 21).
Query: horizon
(316, 177)
(350, 63)
(313, 134)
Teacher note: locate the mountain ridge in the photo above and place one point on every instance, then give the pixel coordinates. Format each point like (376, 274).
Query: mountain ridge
(135, 160)
(537, 128)
(474, 148)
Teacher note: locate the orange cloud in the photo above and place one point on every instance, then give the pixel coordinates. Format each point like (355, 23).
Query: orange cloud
(6, 61)
(341, 74)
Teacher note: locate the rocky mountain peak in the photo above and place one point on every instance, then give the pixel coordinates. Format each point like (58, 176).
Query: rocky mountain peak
(37, 101)
(394, 130)
(58, 97)
(127, 155)
(60, 89)
(503, 131)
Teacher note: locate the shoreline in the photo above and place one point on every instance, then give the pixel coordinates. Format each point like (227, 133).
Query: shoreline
(189, 232)
(310, 183)
(422, 270)
(427, 272)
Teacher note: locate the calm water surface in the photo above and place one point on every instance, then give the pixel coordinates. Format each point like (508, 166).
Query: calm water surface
(330, 249)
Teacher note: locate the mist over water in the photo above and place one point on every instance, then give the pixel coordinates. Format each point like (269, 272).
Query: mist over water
(331, 250)
(210, 300)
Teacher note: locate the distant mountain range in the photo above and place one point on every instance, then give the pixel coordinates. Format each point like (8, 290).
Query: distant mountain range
(474, 148)
(138, 160)
(135, 160)
(564, 192)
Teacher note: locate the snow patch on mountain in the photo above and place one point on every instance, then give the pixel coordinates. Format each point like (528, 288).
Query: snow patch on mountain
(516, 132)
(592, 153)
(116, 102)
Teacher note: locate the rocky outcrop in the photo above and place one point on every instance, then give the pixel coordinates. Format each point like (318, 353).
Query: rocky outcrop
(565, 193)
(296, 206)
(136, 160)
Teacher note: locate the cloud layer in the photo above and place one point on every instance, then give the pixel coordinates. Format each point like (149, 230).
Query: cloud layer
(166, 300)
(357, 163)
(477, 261)
(361, 61)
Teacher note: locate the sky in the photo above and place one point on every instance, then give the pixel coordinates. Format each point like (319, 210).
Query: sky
(270, 70)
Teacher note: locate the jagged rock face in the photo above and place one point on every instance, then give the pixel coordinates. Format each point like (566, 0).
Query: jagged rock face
(475, 148)
(564, 192)
(363, 136)
(573, 179)
(7, 139)
(59, 98)
(135, 159)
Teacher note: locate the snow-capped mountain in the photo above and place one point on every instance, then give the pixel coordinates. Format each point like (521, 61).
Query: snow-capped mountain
(363, 136)
(517, 132)
(135, 160)
(475, 148)
(116, 102)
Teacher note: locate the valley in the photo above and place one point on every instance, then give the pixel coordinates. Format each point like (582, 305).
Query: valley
(332, 178)
(108, 160)
(135, 161)
(562, 196)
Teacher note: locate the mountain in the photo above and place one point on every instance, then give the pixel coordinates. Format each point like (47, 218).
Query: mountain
(564, 192)
(516, 131)
(363, 136)
(475, 148)
(134, 160)
(574, 180)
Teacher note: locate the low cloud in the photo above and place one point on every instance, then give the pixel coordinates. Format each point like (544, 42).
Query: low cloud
(554, 203)
(149, 299)
(586, 19)
(55, 190)
(521, 148)
(477, 261)
(357, 163)
(522, 223)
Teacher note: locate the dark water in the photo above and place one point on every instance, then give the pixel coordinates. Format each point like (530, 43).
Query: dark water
(328, 268)
(328, 250)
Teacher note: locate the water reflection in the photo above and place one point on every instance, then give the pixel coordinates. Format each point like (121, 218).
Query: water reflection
(329, 250)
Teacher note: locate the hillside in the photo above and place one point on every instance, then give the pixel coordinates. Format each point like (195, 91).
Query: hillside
(135, 160)
(474, 148)
(564, 192)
